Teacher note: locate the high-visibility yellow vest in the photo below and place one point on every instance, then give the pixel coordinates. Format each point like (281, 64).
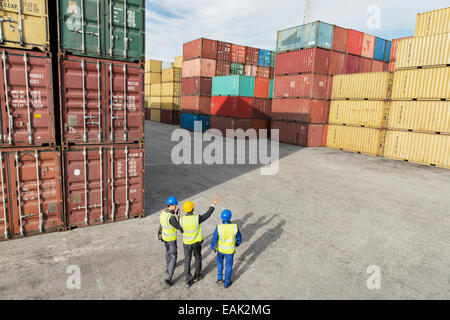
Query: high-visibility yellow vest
(169, 233)
(227, 238)
(192, 230)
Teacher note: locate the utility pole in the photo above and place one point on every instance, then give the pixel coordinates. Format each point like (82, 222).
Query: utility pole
(308, 10)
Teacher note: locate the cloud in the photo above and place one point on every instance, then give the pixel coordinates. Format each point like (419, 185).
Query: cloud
(170, 23)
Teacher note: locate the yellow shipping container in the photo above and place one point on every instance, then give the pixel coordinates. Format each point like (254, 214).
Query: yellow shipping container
(147, 102)
(155, 115)
(424, 51)
(430, 83)
(170, 103)
(171, 75)
(425, 148)
(433, 22)
(426, 116)
(178, 62)
(153, 66)
(155, 90)
(152, 77)
(28, 29)
(155, 103)
(371, 85)
(171, 89)
(358, 113)
(356, 139)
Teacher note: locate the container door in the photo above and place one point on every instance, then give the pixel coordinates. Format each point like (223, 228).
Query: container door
(36, 191)
(81, 25)
(124, 103)
(24, 24)
(81, 96)
(85, 175)
(124, 28)
(26, 87)
(5, 219)
(125, 182)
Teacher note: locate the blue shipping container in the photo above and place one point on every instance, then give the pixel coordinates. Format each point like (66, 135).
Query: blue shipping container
(388, 51)
(264, 58)
(380, 49)
(288, 39)
(187, 121)
(316, 34)
(233, 86)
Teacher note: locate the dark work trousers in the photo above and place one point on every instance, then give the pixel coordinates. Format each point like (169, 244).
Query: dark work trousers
(171, 258)
(196, 249)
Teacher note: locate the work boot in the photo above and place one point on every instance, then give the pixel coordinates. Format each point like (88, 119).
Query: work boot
(219, 282)
(198, 278)
(189, 283)
(227, 285)
(169, 283)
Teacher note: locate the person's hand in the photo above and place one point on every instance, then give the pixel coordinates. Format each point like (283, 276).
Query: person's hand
(215, 201)
(215, 250)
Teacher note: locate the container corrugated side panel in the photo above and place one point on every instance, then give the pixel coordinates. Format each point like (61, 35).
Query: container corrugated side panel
(34, 27)
(155, 115)
(289, 39)
(423, 51)
(425, 116)
(355, 139)
(379, 52)
(424, 148)
(371, 85)
(433, 22)
(358, 113)
(428, 84)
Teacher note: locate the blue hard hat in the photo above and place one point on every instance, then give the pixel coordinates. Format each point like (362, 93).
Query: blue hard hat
(226, 215)
(172, 201)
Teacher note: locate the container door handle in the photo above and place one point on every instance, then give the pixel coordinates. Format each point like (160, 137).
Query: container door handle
(113, 205)
(86, 218)
(111, 36)
(125, 36)
(7, 99)
(99, 106)
(3, 196)
(98, 27)
(83, 66)
(19, 200)
(127, 202)
(111, 108)
(30, 138)
(41, 218)
(1, 27)
(101, 184)
(125, 102)
(20, 24)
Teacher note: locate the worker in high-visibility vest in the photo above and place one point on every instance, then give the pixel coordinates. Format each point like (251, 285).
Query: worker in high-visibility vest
(167, 232)
(193, 239)
(227, 237)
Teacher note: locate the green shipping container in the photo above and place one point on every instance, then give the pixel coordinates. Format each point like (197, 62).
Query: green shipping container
(237, 69)
(109, 29)
(272, 59)
(271, 88)
(234, 86)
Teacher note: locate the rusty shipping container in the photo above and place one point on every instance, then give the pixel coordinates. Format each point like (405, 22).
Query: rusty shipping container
(352, 64)
(32, 191)
(103, 183)
(263, 72)
(250, 71)
(338, 63)
(365, 65)
(301, 134)
(102, 101)
(199, 68)
(223, 51)
(26, 96)
(340, 38)
(355, 42)
(223, 68)
(196, 104)
(196, 87)
(303, 86)
(238, 54)
(200, 48)
(315, 60)
(251, 56)
(301, 110)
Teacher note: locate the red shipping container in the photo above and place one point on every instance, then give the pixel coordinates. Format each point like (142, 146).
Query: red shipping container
(199, 68)
(302, 86)
(368, 46)
(200, 48)
(196, 86)
(355, 42)
(262, 108)
(386, 66)
(104, 183)
(251, 56)
(315, 60)
(238, 54)
(377, 66)
(223, 68)
(250, 70)
(238, 107)
(27, 104)
(338, 63)
(262, 87)
(391, 67)
(352, 64)
(170, 117)
(263, 72)
(301, 110)
(340, 38)
(365, 65)
(196, 104)
(223, 51)
(301, 134)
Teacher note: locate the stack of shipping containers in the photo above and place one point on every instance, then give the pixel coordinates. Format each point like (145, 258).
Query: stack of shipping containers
(101, 92)
(419, 116)
(204, 59)
(171, 93)
(307, 58)
(153, 76)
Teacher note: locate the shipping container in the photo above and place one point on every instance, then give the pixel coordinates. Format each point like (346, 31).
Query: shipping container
(301, 134)
(352, 64)
(152, 78)
(379, 52)
(379, 66)
(374, 86)
(238, 54)
(424, 51)
(262, 87)
(178, 62)
(338, 63)
(272, 83)
(355, 42)
(200, 48)
(289, 39)
(153, 66)
(313, 60)
(237, 107)
(302, 86)
(273, 56)
(199, 68)
(223, 123)
(264, 58)
(188, 120)
(262, 108)
(387, 58)
(250, 70)
(171, 117)
(196, 104)
(234, 85)
(340, 38)
(433, 22)
(223, 51)
(236, 69)
(316, 34)
(427, 84)
(171, 75)
(155, 115)
(301, 110)
(424, 148)
(365, 65)
(25, 25)
(26, 96)
(102, 101)
(155, 102)
(170, 103)
(223, 68)
(171, 89)
(197, 87)
(147, 113)
(155, 89)
(251, 56)
(368, 46)
(356, 139)
(109, 30)
(420, 116)
(263, 72)
(358, 113)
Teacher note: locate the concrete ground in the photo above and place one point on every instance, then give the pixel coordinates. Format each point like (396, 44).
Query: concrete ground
(310, 232)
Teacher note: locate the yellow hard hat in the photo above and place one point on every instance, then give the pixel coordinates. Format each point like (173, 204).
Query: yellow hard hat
(188, 206)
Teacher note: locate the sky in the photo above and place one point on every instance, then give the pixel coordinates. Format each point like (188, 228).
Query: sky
(170, 23)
